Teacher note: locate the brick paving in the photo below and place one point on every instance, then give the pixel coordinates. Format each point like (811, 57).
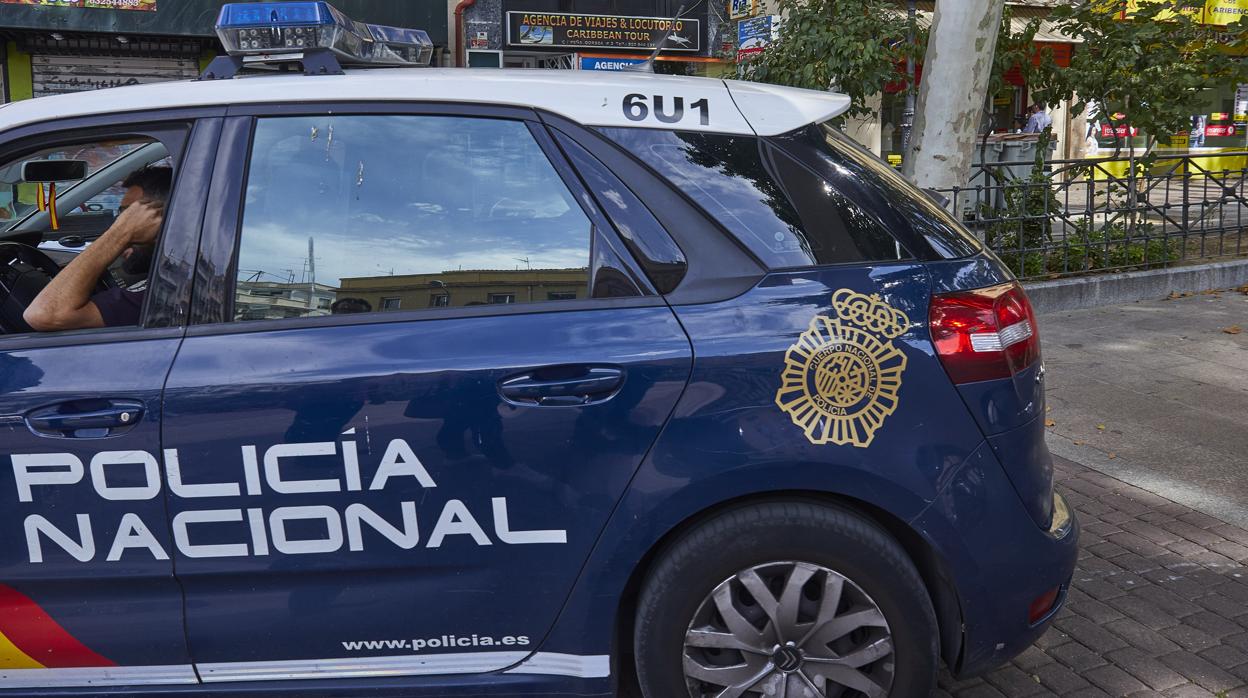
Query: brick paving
(1159, 604)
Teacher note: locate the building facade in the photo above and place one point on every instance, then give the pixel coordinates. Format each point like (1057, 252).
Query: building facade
(57, 46)
(466, 287)
(593, 34)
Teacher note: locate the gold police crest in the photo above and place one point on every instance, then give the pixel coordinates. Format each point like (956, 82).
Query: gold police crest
(841, 378)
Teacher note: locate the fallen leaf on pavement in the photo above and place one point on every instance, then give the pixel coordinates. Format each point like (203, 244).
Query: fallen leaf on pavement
(1233, 329)
(1078, 443)
(1100, 427)
(1113, 455)
(1243, 289)
(1049, 423)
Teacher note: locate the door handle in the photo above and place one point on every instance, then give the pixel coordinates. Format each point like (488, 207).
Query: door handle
(86, 419)
(556, 386)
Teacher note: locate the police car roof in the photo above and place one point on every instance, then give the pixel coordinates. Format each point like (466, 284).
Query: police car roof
(589, 97)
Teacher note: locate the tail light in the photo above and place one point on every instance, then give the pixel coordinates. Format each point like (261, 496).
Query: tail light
(984, 334)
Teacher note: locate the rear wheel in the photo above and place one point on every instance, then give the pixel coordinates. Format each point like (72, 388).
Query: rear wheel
(785, 600)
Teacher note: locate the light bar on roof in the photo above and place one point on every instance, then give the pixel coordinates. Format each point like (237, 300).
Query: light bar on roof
(276, 30)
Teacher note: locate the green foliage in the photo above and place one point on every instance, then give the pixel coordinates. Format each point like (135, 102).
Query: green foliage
(1022, 233)
(853, 46)
(1092, 247)
(1117, 245)
(1013, 49)
(1023, 226)
(1148, 65)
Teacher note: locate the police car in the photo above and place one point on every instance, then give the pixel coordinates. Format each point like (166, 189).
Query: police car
(525, 383)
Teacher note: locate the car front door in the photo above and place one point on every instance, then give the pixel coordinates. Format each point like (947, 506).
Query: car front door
(87, 592)
(401, 420)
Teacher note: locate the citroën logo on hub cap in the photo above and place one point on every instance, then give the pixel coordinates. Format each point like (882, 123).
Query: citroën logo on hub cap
(841, 378)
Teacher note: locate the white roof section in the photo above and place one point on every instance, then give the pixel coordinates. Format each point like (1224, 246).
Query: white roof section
(589, 97)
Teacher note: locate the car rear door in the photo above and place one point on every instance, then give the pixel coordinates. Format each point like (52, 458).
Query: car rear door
(421, 372)
(87, 591)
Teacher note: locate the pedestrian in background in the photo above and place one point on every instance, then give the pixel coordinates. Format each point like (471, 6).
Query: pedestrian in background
(1038, 121)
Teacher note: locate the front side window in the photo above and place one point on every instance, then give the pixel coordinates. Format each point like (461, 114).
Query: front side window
(57, 202)
(403, 212)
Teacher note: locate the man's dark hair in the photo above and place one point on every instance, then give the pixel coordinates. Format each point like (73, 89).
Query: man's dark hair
(155, 181)
(344, 306)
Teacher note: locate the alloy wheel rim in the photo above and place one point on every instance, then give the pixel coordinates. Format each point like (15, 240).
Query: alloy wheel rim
(788, 629)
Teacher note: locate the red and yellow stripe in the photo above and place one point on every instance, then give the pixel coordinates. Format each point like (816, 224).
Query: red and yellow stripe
(31, 639)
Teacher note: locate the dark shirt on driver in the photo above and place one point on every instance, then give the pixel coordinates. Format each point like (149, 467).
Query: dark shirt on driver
(120, 307)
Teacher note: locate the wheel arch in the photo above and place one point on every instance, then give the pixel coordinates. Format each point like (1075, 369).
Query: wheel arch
(944, 597)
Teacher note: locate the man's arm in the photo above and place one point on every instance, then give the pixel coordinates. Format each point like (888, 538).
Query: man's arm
(65, 303)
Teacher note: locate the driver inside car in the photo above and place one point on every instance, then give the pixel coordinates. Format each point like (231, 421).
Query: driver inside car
(67, 302)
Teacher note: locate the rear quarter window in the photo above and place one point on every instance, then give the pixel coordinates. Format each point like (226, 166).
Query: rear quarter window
(784, 213)
(925, 217)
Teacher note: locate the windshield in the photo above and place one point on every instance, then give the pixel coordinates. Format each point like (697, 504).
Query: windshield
(19, 199)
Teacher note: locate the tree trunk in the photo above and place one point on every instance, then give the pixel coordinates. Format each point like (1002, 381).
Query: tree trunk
(956, 70)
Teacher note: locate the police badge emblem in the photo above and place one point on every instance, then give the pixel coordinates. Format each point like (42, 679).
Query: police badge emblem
(842, 376)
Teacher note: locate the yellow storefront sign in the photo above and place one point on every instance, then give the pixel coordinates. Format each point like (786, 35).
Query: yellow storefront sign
(1216, 12)
(1224, 12)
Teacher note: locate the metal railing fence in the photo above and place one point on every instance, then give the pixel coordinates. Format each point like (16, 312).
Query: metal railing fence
(1108, 214)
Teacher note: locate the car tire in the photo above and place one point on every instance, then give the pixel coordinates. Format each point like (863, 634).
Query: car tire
(797, 574)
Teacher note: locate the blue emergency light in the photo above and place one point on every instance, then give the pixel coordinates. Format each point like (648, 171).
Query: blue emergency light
(275, 30)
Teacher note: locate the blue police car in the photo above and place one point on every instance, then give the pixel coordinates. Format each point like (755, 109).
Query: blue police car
(512, 383)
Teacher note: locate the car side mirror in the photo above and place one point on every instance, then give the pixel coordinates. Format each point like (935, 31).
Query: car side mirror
(54, 170)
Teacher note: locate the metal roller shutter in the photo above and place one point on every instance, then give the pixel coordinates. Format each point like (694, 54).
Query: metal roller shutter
(55, 75)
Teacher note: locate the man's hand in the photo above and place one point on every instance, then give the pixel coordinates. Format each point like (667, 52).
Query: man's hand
(140, 223)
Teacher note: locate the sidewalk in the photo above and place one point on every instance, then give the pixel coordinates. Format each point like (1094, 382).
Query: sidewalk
(1159, 604)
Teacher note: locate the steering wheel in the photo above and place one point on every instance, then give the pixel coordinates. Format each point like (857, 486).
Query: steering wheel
(24, 272)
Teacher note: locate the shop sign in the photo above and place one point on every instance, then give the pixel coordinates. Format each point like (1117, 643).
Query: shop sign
(1108, 131)
(1219, 116)
(1219, 130)
(142, 5)
(1223, 12)
(1241, 104)
(611, 63)
(738, 9)
(1180, 140)
(754, 34)
(572, 30)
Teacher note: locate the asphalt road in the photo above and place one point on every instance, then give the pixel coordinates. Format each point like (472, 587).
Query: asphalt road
(1155, 394)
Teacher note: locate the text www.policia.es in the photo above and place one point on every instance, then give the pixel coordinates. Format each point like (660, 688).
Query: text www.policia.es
(451, 642)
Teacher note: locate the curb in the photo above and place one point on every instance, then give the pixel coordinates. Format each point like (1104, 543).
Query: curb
(1128, 287)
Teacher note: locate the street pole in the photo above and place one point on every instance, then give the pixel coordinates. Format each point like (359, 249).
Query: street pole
(907, 115)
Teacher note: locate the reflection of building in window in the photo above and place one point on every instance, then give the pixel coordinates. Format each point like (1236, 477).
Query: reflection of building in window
(391, 303)
(469, 287)
(274, 300)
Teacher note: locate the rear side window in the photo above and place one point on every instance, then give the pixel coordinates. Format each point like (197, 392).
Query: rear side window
(941, 230)
(377, 213)
(782, 212)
